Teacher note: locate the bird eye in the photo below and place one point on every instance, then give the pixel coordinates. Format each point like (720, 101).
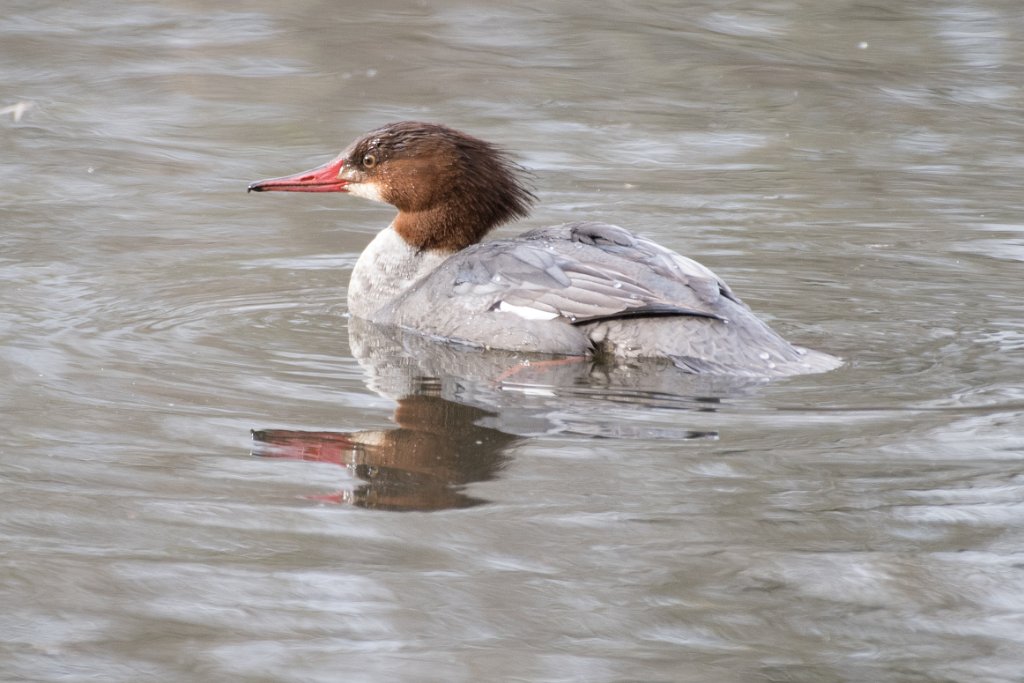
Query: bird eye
(369, 160)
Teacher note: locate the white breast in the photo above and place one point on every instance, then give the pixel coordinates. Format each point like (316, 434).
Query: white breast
(387, 268)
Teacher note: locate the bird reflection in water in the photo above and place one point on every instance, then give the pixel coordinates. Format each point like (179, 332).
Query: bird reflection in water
(460, 411)
(424, 464)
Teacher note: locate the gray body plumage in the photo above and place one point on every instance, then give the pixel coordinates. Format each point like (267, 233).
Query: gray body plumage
(594, 289)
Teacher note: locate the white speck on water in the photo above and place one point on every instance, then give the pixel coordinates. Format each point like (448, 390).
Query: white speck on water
(17, 110)
(617, 285)
(764, 355)
(862, 45)
(90, 170)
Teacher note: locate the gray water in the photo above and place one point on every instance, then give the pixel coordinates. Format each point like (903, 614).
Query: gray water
(853, 170)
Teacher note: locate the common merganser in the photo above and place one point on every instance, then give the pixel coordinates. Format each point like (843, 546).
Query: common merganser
(579, 289)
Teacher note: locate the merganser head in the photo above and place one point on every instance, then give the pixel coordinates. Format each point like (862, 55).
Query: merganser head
(450, 188)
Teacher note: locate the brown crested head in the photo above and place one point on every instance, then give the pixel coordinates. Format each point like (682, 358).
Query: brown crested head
(450, 188)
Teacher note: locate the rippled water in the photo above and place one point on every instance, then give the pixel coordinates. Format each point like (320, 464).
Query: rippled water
(851, 169)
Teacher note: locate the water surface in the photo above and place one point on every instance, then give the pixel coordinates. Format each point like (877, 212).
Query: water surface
(852, 170)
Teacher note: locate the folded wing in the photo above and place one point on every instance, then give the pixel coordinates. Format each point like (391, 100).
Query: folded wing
(587, 272)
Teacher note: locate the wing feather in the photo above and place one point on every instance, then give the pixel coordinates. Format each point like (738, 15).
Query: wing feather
(585, 272)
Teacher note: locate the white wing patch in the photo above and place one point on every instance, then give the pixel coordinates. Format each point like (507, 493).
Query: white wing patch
(526, 312)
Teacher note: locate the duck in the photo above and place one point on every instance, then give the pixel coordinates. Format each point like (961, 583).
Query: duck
(584, 289)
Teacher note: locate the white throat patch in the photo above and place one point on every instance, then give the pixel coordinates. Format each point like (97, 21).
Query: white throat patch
(369, 191)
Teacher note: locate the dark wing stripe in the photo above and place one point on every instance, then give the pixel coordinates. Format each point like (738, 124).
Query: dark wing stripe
(649, 311)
